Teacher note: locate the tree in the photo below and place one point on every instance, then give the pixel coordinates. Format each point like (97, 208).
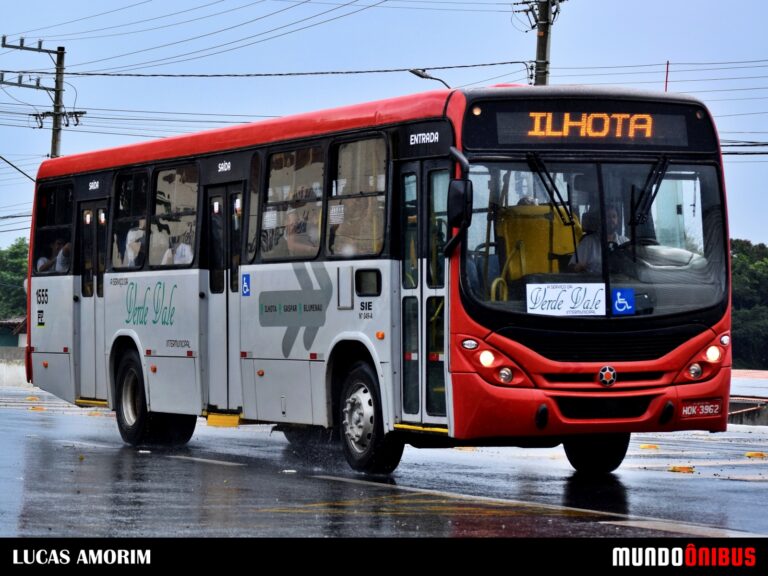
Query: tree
(13, 270)
(749, 272)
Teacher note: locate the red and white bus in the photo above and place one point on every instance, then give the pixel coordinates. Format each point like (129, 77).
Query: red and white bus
(499, 266)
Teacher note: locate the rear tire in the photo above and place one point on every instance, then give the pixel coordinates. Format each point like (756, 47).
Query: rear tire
(366, 447)
(137, 425)
(596, 454)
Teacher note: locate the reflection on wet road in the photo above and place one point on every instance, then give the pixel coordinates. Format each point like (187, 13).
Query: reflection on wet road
(65, 472)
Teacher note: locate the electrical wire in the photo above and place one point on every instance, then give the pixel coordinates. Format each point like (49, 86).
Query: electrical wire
(83, 18)
(178, 58)
(282, 74)
(124, 24)
(198, 37)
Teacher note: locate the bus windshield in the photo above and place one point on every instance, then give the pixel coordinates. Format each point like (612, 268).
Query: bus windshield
(596, 239)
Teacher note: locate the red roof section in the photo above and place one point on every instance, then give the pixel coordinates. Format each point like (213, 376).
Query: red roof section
(378, 113)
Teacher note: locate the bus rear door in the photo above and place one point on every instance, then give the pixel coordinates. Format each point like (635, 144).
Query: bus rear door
(224, 224)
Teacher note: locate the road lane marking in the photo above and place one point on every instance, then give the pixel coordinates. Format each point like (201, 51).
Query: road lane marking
(443, 493)
(80, 444)
(615, 517)
(681, 528)
(417, 504)
(696, 463)
(206, 460)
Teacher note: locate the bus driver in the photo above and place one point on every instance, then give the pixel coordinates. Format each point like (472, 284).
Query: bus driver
(588, 256)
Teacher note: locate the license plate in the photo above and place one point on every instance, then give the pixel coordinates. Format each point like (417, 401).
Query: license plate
(699, 408)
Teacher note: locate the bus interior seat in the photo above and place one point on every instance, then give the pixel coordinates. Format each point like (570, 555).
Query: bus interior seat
(535, 241)
(477, 267)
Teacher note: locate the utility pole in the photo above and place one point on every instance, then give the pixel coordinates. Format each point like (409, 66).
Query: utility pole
(58, 103)
(543, 25)
(58, 90)
(541, 15)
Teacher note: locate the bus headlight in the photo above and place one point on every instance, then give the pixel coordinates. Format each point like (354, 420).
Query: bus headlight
(505, 375)
(491, 364)
(713, 354)
(486, 358)
(695, 371)
(707, 362)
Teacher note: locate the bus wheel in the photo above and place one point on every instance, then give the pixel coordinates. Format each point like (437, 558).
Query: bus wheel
(131, 406)
(596, 454)
(136, 424)
(366, 447)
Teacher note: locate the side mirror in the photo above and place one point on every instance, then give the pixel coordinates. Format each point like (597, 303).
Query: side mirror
(460, 203)
(459, 211)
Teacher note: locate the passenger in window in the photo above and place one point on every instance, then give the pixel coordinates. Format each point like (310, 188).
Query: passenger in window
(133, 245)
(297, 233)
(180, 252)
(58, 263)
(589, 254)
(183, 254)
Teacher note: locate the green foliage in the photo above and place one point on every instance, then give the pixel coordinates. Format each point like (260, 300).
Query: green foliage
(750, 338)
(13, 270)
(749, 267)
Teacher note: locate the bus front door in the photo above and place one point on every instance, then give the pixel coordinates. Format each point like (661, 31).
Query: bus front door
(91, 253)
(224, 224)
(424, 193)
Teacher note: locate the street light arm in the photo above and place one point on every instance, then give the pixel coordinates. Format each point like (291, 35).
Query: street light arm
(423, 74)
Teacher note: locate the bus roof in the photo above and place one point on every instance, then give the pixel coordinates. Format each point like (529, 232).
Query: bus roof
(379, 113)
(359, 116)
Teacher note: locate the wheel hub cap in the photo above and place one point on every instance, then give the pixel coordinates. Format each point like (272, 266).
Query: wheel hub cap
(359, 418)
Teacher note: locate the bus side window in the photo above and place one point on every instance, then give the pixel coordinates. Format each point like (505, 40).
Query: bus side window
(438, 227)
(355, 222)
(172, 240)
(291, 219)
(53, 229)
(130, 226)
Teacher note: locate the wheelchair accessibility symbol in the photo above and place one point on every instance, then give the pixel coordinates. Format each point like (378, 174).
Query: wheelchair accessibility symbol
(246, 284)
(623, 301)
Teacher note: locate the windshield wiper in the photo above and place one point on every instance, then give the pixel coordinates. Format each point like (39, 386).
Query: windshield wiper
(537, 166)
(642, 207)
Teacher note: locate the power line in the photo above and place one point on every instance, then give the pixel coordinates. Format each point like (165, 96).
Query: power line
(740, 114)
(219, 31)
(661, 71)
(128, 110)
(179, 57)
(13, 205)
(615, 66)
(430, 6)
(123, 25)
(727, 90)
(12, 165)
(81, 19)
(270, 74)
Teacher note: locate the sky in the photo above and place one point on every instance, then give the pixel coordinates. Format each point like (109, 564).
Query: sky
(715, 51)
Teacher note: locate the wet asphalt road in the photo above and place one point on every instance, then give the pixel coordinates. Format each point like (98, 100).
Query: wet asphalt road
(64, 471)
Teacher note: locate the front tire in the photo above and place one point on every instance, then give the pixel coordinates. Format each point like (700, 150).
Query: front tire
(136, 423)
(366, 447)
(596, 454)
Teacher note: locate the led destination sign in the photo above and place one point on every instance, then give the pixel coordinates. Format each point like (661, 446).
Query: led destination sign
(595, 125)
(583, 127)
(588, 123)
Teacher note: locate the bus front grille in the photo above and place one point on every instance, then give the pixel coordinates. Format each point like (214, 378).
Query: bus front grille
(577, 408)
